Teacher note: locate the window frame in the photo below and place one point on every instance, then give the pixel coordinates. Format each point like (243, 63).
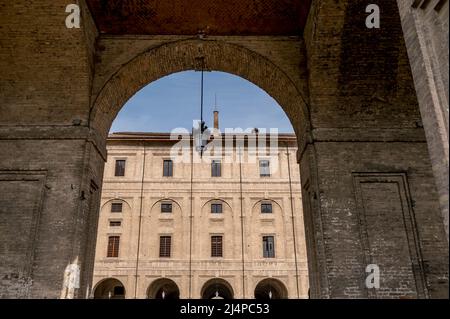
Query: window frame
(119, 222)
(261, 168)
(113, 247)
(116, 167)
(270, 253)
(165, 249)
(216, 205)
(113, 210)
(170, 168)
(266, 204)
(166, 211)
(216, 246)
(216, 168)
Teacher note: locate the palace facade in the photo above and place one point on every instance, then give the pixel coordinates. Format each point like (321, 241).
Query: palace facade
(218, 228)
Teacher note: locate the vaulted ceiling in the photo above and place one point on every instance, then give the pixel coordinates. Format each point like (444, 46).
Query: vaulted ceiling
(189, 17)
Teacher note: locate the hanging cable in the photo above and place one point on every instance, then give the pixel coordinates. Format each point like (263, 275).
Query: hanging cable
(203, 126)
(201, 98)
(293, 224)
(139, 227)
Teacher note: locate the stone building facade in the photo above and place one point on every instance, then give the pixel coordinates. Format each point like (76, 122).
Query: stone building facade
(163, 231)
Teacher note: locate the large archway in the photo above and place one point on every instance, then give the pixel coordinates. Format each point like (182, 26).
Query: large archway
(187, 55)
(366, 174)
(109, 288)
(163, 288)
(217, 288)
(317, 149)
(270, 288)
(184, 55)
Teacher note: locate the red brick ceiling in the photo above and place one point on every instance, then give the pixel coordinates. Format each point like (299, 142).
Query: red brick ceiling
(188, 17)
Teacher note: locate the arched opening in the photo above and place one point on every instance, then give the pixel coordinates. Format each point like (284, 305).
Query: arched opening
(270, 288)
(109, 288)
(163, 288)
(217, 288)
(167, 239)
(366, 171)
(151, 65)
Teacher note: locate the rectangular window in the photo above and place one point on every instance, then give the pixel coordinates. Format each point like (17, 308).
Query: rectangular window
(216, 169)
(266, 208)
(165, 243)
(166, 207)
(116, 207)
(264, 168)
(216, 208)
(268, 247)
(113, 246)
(216, 246)
(167, 168)
(120, 168)
(115, 223)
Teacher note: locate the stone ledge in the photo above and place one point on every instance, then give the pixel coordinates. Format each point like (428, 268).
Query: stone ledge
(54, 132)
(359, 135)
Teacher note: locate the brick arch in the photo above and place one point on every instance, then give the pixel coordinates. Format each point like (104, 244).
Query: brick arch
(180, 56)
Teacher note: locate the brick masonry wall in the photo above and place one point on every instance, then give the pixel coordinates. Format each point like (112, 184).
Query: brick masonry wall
(51, 232)
(365, 120)
(160, 56)
(361, 107)
(50, 154)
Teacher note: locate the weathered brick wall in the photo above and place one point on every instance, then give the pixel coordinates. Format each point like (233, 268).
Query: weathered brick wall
(366, 126)
(49, 156)
(343, 207)
(51, 240)
(361, 117)
(161, 56)
(284, 52)
(41, 58)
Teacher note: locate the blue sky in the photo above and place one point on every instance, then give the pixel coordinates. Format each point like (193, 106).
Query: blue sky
(174, 101)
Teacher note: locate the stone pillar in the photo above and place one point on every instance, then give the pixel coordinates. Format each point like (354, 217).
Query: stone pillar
(425, 28)
(369, 193)
(50, 180)
(51, 166)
